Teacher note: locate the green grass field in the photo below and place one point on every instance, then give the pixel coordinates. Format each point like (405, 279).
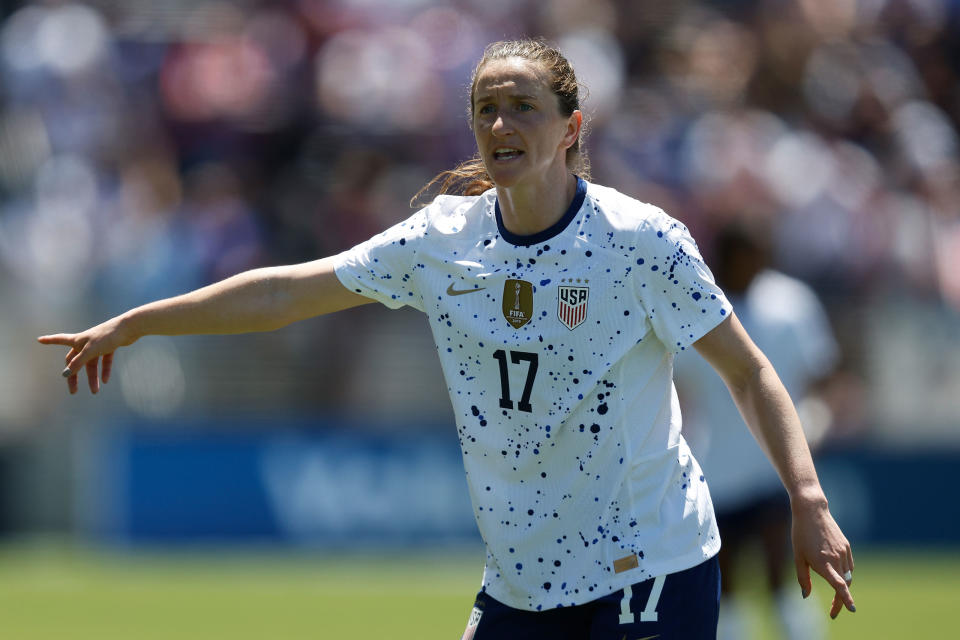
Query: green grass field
(51, 591)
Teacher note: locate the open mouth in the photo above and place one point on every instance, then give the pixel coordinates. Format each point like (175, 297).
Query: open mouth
(506, 153)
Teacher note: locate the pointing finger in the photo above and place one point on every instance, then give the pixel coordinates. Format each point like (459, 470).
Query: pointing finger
(66, 339)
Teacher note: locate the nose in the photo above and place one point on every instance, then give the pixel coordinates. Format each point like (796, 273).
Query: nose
(501, 126)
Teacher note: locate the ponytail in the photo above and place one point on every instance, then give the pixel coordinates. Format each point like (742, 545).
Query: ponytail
(469, 178)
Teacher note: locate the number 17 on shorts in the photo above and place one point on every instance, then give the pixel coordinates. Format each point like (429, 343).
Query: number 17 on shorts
(676, 606)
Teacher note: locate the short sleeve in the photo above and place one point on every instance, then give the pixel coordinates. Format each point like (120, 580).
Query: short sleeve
(384, 267)
(675, 286)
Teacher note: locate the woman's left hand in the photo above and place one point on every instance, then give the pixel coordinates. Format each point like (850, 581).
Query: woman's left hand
(819, 544)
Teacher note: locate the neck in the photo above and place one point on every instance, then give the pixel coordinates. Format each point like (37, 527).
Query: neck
(530, 209)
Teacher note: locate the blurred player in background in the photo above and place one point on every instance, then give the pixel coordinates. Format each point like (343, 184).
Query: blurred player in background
(557, 307)
(786, 320)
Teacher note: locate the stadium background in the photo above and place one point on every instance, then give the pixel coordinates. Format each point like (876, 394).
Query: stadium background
(147, 148)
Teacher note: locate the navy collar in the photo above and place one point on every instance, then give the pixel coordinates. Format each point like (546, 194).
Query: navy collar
(552, 230)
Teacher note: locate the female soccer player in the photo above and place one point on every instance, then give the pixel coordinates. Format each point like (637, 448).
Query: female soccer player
(557, 306)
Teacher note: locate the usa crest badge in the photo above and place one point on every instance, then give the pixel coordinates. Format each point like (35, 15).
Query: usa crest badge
(572, 305)
(517, 302)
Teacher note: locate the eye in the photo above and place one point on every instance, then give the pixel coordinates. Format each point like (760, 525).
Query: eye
(525, 106)
(487, 108)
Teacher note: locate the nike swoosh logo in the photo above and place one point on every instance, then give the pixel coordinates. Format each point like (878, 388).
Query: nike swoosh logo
(459, 292)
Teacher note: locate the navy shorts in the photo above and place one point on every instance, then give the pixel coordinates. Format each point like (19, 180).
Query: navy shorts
(678, 606)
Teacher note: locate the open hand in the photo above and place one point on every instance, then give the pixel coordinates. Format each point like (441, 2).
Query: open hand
(86, 351)
(819, 544)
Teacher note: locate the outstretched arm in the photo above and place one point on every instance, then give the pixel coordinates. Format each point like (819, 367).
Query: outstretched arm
(766, 407)
(258, 300)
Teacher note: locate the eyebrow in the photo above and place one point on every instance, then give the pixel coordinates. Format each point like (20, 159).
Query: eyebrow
(512, 96)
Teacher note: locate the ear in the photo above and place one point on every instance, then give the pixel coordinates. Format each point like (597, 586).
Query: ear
(574, 124)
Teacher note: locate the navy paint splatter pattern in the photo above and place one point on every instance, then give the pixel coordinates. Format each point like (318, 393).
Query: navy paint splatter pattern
(570, 437)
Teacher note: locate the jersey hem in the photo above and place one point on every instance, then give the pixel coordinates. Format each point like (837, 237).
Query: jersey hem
(622, 580)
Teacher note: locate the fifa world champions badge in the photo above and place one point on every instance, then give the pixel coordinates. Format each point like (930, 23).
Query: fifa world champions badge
(517, 302)
(572, 305)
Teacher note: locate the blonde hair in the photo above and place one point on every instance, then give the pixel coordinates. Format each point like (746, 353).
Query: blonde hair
(470, 178)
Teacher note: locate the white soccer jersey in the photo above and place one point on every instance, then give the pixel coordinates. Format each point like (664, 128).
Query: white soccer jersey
(557, 350)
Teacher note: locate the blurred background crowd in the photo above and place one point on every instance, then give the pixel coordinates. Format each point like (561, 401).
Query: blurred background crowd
(147, 148)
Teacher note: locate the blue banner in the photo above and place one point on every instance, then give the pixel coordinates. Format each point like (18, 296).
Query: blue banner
(288, 485)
